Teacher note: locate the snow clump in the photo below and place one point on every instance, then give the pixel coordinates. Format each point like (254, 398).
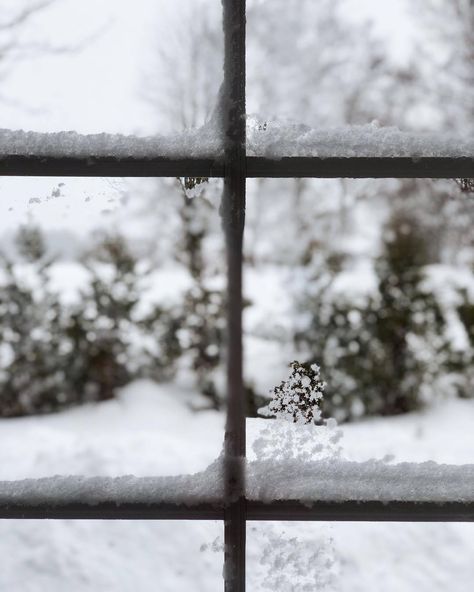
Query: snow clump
(296, 408)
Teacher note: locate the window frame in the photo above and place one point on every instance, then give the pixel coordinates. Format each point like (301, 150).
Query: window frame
(235, 167)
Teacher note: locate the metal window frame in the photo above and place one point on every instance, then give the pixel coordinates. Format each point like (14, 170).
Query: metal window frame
(235, 510)
(256, 167)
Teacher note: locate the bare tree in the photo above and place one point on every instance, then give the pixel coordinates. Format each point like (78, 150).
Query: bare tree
(187, 72)
(445, 77)
(446, 59)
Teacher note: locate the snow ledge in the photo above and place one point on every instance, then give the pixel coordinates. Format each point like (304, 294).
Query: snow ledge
(308, 482)
(374, 480)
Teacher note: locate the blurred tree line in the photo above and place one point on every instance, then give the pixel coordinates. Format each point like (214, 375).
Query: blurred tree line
(406, 337)
(55, 354)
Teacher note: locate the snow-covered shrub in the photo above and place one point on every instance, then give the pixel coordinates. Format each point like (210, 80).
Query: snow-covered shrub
(30, 244)
(98, 326)
(298, 398)
(202, 310)
(296, 407)
(112, 343)
(54, 354)
(382, 354)
(34, 353)
(461, 361)
(290, 563)
(202, 338)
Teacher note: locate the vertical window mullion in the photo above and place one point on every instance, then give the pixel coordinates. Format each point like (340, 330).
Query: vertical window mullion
(233, 218)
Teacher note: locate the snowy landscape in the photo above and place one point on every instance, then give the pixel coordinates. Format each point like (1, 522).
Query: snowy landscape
(149, 430)
(113, 301)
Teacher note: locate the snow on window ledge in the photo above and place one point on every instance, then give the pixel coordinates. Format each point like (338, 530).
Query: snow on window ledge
(286, 139)
(326, 480)
(199, 143)
(272, 140)
(374, 480)
(206, 486)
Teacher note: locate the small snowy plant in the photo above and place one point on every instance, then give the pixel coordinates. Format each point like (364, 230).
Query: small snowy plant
(298, 398)
(296, 407)
(289, 563)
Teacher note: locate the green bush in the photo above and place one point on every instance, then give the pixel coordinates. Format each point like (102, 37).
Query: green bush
(34, 351)
(53, 355)
(383, 354)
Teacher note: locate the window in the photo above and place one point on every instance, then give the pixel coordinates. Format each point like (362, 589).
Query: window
(354, 154)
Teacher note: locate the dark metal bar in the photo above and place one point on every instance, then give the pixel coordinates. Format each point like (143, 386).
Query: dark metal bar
(233, 218)
(368, 511)
(113, 511)
(107, 166)
(361, 167)
(287, 510)
(257, 167)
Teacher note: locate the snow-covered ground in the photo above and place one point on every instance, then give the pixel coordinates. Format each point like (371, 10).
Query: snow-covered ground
(151, 430)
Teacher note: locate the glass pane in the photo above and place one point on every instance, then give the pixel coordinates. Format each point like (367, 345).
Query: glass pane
(110, 66)
(373, 281)
(111, 327)
(356, 557)
(112, 555)
(334, 63)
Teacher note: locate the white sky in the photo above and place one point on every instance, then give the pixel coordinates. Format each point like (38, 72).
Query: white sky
(99, 89)
(390, 20)
(91, 90)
